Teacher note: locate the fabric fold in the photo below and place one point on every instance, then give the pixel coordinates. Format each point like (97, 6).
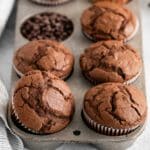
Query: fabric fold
(8, 140)
(5, 9)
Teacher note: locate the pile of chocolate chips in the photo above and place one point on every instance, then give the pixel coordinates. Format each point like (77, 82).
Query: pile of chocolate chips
(46, 25)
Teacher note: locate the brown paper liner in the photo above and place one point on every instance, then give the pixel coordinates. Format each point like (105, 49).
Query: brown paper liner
(104, 129)
(19, 123)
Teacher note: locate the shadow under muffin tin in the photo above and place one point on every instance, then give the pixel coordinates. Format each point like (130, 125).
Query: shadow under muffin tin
(47, 25)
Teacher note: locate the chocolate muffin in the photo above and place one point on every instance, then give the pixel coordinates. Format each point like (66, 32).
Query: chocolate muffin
(44, 55)
(107, 20)
(115, 1)
(50, 2)
(114, 108)
(110, 61)
(42, 103)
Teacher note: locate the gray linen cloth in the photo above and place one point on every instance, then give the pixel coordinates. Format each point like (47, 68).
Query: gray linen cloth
(8, 140)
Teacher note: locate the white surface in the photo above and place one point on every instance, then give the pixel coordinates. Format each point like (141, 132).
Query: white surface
(6, 50)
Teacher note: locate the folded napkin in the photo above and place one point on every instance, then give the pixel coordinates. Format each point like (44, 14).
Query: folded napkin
(5, 9)
(8, 140)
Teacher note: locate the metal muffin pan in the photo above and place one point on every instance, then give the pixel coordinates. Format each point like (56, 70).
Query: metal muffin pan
(77, 131)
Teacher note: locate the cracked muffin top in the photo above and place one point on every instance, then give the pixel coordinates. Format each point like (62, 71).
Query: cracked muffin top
(44, 55)
(116, 1)
(107, 20)
(116, 105)
(110, 61)
(42, 102)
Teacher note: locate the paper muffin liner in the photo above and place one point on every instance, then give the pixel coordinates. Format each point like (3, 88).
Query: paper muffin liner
(134, 78)
(125, 40)
(104, 129)
(20, 74)
(18, 121)
(50, 2)
(125, 82)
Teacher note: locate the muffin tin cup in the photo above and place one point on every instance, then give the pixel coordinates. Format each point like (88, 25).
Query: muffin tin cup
(125, 40)
(27, 18)
(104, 129)
(123, 3)
(50, 2)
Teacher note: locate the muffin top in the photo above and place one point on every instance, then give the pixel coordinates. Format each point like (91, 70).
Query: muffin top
(116, 105)
(44, 55)
(42, 102)
(116, 1)
(107, 20)
(110, 61)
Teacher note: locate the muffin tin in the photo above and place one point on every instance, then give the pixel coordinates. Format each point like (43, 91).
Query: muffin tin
(47, 25)
(77, 131)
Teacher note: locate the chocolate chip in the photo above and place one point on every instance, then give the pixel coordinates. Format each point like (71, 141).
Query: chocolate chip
(77, 132)
(47, 26)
